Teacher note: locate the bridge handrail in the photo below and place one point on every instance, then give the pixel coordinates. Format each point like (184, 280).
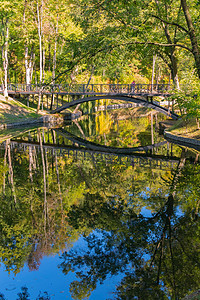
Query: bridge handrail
(110, 88)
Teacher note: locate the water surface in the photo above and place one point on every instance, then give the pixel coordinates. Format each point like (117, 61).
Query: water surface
(103, 208)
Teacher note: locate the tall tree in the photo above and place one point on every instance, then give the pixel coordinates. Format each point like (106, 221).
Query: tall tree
(192, 35)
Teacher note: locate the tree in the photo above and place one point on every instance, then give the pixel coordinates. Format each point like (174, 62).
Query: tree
(192, 35)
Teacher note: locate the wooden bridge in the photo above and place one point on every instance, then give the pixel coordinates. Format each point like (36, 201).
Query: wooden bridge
(141, 94)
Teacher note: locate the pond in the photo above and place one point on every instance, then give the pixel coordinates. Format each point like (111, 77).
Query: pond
(102, 208)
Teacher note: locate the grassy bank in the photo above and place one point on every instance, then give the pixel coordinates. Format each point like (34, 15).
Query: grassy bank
(186, 128)
(13, 111)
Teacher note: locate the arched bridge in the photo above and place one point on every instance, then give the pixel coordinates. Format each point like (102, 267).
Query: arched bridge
(139, 101)
(141, 94)
(135, 159)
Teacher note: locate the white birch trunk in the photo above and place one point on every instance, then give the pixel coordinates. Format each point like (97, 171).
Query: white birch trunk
(43, 65)
(55, 50)
(54, 60)
(5, 60)
(44, 180)
(11, 175)
(39, 20)
(29, 66)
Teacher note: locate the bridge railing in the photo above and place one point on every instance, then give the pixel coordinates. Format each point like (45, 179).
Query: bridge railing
(90, 88)
(114, 88)
(22, 87)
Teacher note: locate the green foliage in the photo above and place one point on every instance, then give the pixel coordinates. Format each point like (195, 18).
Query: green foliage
(188, 104)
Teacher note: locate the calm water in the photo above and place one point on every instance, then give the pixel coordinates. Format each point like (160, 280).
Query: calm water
(93, 210)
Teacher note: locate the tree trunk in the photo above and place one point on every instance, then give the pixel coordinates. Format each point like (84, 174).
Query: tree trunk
(39, 20)
(4, 165)
(5, 59)
(43, 65)
(28, 66)
(153, 71)
(192, 34)
(197, 121)
(174, 69)
(57, 173)
(30, 163)
(172, 49)
(44, 180)
(152, 133)
(55, 50)
(54, 62)
(11, 175)
(49, 58)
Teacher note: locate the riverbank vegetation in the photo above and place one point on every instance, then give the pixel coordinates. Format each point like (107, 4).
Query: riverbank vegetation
(12, 111)
(186, 128)
(46, 42)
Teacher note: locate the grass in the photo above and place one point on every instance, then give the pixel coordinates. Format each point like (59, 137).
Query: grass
(14, 111)
(186, 128)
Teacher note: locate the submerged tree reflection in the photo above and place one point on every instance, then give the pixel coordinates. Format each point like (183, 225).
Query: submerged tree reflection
(50, 200)
(159, 254)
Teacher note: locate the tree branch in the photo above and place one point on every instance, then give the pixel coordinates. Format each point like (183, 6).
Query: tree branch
(110, 47)
(170, 23)
(164, 45)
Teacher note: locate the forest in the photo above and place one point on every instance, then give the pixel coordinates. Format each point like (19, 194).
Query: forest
(48, 42)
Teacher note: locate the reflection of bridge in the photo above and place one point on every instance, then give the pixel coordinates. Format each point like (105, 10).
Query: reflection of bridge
(139, 93)
(82, 149)
(102, 148)
(146, 160)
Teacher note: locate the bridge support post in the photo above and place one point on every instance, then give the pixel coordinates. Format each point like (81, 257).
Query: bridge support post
(150, 99)
(57, 99)
(42, 102)
(52, 101)
(47, 101)
(27, 103)
(172, 105)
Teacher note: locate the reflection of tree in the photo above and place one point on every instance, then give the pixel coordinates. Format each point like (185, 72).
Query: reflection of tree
(103, 202)
(116, 127)
(23, 236)
(24, 295)
(155, 252)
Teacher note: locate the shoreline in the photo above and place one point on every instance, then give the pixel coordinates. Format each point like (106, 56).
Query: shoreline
(165, 128)
(43, 120)
(183, 141)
